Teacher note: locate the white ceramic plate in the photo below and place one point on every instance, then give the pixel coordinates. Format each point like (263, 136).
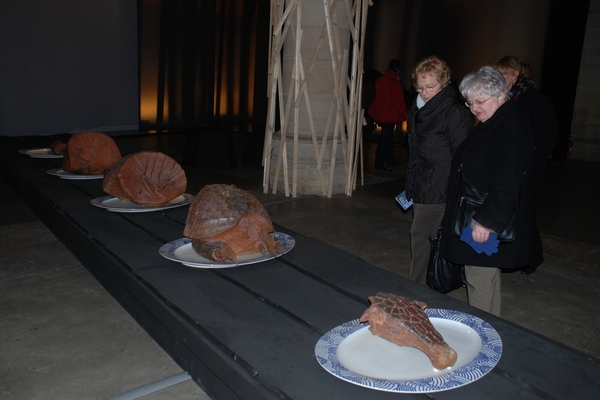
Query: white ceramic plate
(351, 353)
(113, 204)
(181, 250)
(68, 175)
(40, 153)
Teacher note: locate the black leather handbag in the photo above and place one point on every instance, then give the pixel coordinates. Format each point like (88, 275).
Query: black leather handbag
(469, 201)
(442, 275)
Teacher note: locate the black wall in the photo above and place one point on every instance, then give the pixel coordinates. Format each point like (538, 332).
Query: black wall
(67, 64)
(564, 45)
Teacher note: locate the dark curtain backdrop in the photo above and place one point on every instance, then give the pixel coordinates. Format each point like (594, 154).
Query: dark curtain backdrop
(203, 63)
(562, 63)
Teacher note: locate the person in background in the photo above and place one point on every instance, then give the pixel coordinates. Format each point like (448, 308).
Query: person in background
(533, 103)
(438, 122)
(388, 109)
(495, 160)
(528, 71)
(540, 112)
(370, 77)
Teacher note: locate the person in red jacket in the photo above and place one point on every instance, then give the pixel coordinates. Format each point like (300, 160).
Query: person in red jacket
(387, 110)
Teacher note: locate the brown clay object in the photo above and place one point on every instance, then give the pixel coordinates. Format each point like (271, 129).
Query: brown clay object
(403, 322)
(148, 178)
(225, 222)
(90, 153)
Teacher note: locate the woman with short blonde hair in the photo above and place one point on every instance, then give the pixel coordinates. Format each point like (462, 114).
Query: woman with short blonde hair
(435, 66)
(438, 122)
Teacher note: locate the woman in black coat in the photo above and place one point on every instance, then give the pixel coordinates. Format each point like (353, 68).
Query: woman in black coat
(540, 112)
(494, 159)
(437, 123)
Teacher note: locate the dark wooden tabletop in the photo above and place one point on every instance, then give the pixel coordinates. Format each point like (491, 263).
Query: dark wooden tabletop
(250, 332)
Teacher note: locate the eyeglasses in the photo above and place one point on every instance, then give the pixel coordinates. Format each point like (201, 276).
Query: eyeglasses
(476, 102)
(426, 88)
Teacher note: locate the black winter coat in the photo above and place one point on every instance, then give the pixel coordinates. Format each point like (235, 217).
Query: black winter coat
(495, 158)
(434, 133)
(537, 107)
(540, 112)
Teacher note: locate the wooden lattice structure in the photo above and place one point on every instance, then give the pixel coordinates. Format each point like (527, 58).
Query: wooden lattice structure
(345, 111)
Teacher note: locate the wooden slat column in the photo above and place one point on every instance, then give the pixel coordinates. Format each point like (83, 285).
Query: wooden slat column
(314, 123)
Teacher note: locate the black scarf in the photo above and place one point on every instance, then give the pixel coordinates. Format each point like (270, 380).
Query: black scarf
(520, 86)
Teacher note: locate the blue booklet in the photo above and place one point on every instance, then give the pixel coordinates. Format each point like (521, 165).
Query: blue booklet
(403, 201)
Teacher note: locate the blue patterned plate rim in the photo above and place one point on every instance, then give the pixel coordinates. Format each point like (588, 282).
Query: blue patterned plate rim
(168, 251)
(482, 364)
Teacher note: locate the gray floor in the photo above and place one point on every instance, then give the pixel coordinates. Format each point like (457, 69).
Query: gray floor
(64, 337)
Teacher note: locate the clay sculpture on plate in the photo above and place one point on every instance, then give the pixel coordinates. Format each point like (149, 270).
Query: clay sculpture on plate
(90, 153)
(225, 222)
(403, 322)
(148, 178)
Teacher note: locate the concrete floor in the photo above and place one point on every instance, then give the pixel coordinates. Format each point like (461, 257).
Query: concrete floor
(64, 337)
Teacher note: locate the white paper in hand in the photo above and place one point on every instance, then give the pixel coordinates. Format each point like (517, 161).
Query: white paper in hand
(404, 203)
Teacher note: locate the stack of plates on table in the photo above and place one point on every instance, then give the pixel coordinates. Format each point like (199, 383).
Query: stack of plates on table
(181, 251)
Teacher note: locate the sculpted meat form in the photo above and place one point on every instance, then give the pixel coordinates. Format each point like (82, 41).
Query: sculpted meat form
(225, 222)
(403, 322)
(58, 147)
(148, 178)
(90, 153)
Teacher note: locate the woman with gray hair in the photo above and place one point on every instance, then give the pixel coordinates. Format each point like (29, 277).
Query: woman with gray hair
(493, 161)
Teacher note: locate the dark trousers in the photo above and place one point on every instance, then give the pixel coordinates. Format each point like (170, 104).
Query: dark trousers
(427, 218)
(385, 149)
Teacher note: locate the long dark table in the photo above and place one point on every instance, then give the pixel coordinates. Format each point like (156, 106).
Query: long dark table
(250, 333)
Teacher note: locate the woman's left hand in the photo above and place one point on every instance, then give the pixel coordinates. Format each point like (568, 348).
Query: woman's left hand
(480, 233)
